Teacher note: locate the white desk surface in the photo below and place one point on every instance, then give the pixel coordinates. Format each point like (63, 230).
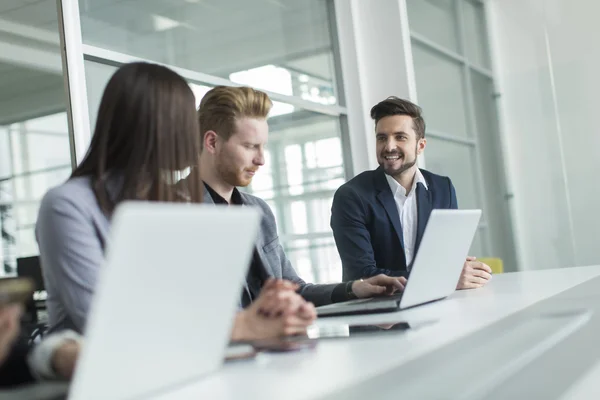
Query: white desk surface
(335, 364)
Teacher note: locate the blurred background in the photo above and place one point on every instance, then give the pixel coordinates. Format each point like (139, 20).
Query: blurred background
(507, 88)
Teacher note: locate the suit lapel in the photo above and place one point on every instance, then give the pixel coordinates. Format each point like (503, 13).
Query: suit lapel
(424, 206)
(259, 245)
(206, 198)
(386, 198)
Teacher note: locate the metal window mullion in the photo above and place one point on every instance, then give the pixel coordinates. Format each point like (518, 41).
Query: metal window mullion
(306, 183)
(431, 45)
(15, 119)
(472, 123)
(482, 71)
(310, 223)
(340, 92)
(104, 56)
(310, 247)
(346, 148)
(338, 84)
(25, 159)
(277, 185)
(312, 195)
(74, 73)
(34, 172)
(306, 236)
(12, 247)
(451, 138)
(275, 135)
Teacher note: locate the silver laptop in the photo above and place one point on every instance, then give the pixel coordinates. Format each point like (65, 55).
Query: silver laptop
(436, 268)
(166, 298)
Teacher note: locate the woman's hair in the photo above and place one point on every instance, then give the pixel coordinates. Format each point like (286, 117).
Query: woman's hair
(146, 131)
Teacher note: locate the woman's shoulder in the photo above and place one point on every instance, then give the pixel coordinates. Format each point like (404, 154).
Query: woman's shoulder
(75, 193)
(73, 188)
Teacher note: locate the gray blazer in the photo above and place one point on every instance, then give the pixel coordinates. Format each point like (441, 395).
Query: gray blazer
(71, 232)
(272, 255)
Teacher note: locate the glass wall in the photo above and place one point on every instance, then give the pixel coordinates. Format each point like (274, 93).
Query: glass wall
(284, 48)
(455, 87)
(306, 169)
(548, 62)
(34, 139)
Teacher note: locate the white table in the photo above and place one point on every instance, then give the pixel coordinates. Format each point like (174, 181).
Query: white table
(336, 364)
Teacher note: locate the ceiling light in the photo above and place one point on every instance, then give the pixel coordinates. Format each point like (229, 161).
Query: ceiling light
(161, 23)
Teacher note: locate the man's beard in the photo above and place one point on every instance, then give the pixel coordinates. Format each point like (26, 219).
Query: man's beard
(404, 167)
(231, 175)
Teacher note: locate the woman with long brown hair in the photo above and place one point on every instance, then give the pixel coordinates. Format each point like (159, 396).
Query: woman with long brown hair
(146, 135)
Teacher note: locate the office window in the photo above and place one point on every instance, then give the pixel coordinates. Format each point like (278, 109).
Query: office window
(234, 39)
(441, 91)
(303, 254)
(435, 20)
(476, 46)
(289, 54)
(306, 169)
(34, 139)
(457, 161)
(455, 88)
(40, 160)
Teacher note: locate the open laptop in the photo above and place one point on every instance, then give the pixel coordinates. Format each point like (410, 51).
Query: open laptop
(166, 298)
(436, 268)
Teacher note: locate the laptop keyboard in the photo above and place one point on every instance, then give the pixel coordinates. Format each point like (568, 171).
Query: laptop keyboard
(395, 296)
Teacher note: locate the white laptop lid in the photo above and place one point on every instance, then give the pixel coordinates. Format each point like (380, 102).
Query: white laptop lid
(441, 256)
(166, 298)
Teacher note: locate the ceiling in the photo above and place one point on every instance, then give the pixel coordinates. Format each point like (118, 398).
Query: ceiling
(28, 93)
(211, 36)
(31, 82)
(17, 80)
(36, 13)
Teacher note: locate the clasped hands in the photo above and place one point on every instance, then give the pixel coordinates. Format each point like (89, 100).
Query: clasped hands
(281, 311)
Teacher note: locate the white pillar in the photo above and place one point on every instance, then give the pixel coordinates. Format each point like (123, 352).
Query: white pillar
(376, 61)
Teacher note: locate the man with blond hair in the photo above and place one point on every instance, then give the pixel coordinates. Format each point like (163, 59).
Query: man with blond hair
(234, 129)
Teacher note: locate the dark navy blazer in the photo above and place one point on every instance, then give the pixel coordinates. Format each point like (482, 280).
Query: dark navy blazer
(366, 225)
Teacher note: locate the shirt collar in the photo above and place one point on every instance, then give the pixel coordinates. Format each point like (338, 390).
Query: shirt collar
(397, 187)
(236, 197)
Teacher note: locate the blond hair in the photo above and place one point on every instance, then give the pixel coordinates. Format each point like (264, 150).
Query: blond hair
(223, 105)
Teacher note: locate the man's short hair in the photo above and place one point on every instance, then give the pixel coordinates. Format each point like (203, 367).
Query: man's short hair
(396, 106)
(223, 105)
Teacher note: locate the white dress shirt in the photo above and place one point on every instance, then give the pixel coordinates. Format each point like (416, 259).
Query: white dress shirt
(407, 209)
